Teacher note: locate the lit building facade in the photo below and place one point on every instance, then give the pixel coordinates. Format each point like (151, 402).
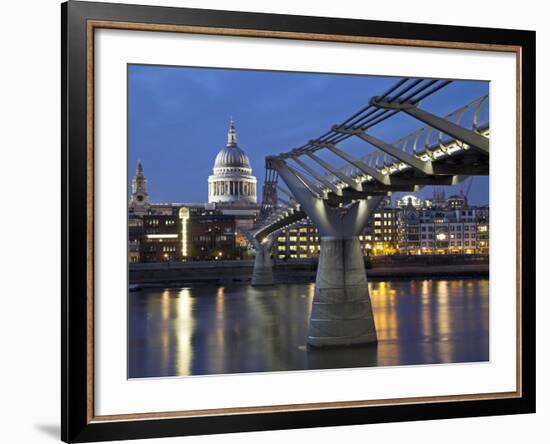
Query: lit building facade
(301, 242)
(413, 201)
(410, 227)
(444, 231)
(381, 234)
(135, 233)
(212, 237)
(232, 181)
(161, 238)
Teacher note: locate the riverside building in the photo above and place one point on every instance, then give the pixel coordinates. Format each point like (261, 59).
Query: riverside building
(166, 232)
(412, 226)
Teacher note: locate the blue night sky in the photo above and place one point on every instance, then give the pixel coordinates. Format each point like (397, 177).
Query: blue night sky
(178, 119)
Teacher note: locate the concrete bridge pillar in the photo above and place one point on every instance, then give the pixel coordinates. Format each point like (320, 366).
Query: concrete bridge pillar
(263, 266)
(341, 313)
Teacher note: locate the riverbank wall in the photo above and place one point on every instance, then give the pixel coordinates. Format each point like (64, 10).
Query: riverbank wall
(304, 270)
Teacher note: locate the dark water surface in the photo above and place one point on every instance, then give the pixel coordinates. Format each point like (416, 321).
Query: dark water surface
(204, 329)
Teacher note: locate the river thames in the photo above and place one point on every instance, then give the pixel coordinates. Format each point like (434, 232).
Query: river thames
(205, 329)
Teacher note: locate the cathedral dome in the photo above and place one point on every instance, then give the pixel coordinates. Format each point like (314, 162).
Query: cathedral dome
(231, 156)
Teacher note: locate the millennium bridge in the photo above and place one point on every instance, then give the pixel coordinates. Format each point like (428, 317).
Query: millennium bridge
(338, 200)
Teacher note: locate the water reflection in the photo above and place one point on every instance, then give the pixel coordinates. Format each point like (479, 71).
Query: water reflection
(218, 330)
(184, 331)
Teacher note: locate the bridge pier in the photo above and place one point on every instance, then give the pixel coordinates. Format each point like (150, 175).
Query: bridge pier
(262, 275)
(341, 313)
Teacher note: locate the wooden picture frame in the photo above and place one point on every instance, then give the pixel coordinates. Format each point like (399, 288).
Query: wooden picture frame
(79, 22)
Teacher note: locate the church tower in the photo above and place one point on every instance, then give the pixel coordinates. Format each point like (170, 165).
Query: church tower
(139, 201)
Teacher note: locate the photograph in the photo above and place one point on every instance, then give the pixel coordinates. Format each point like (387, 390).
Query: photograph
(283, 221)
(279, 221)
(274, 221)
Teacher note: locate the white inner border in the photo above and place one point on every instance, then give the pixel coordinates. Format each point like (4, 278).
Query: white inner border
(114, 394)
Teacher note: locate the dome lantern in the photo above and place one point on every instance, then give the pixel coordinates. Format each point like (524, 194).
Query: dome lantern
(232, 134)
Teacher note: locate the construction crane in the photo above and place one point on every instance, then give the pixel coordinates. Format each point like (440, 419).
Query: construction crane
(468, 187)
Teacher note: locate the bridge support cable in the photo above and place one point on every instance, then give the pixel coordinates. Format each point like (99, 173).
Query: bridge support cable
(470, 137)
(351, 182)
(317, 176)
(313, 189)
(424, 167)
(357, 163)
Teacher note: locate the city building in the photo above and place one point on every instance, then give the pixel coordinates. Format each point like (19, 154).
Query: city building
(139, 200)
(411, 226)
(444, 230)
(212, 237)
(482, 241)
(232, 189)
(135, 233)
(210, 230)
(413, 201)
(456, 201)
(381, 233)
(300, 242)
(161, 238)
(232, 181)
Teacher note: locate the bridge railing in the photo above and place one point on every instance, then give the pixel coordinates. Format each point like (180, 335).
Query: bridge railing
(425, 141)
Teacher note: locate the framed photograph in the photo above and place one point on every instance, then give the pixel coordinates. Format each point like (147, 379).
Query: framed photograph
(275, 221)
